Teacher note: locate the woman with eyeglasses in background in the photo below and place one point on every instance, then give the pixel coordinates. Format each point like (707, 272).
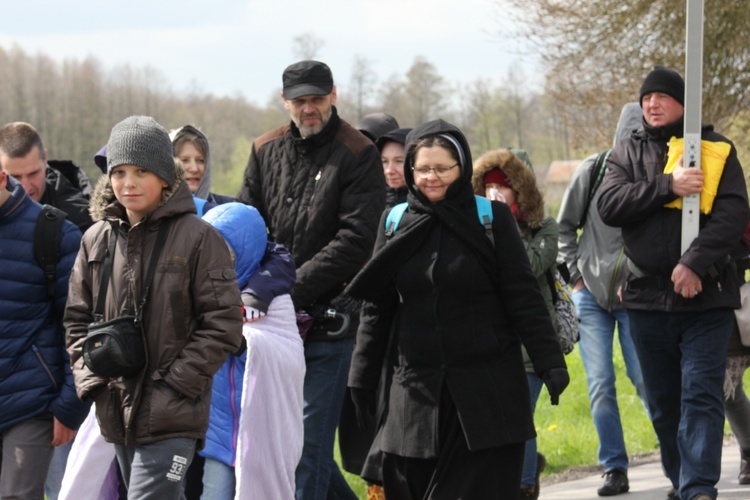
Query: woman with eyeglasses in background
(459, 305)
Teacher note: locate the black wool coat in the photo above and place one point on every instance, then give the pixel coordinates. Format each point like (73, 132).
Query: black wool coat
(459, 328)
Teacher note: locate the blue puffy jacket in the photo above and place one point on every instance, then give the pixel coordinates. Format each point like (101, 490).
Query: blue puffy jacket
(264, 269)
(35, 371)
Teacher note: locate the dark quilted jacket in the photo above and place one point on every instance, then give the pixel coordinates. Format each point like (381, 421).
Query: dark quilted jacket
(321, 197)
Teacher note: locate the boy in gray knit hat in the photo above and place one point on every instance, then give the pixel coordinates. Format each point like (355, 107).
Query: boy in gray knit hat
(141, 141)
(192, 320)
(139, 151)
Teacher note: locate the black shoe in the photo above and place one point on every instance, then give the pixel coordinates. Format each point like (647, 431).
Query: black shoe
(541, 463)
(671, 494)
(744, 477)
(615, 482)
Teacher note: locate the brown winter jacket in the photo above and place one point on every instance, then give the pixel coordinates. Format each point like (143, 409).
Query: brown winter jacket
(192, 321)
(539, 232)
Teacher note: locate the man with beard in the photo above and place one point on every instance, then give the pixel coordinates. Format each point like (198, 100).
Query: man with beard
(319, 185)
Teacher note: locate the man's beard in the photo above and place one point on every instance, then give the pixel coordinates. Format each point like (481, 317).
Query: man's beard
(308, 131)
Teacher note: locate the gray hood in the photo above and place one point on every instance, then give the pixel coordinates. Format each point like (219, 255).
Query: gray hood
(204, 188)
(631, 120)
(597, 255)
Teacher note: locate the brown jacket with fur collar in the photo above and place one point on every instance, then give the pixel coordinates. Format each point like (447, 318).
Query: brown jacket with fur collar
(192, 321)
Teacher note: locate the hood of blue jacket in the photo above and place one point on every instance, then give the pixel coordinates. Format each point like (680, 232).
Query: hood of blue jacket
(244, 230)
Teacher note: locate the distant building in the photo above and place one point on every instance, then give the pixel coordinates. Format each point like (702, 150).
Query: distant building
(556, 179)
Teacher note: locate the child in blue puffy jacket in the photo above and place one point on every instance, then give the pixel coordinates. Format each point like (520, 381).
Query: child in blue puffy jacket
(256, 406)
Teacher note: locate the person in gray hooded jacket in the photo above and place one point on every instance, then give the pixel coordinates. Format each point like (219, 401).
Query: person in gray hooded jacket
(595, 262)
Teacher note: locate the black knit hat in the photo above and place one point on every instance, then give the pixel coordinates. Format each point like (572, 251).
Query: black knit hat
(141, 141)
(666, 81)
(306, 78)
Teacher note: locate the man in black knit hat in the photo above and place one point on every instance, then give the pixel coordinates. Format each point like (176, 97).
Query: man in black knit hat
(679, 304)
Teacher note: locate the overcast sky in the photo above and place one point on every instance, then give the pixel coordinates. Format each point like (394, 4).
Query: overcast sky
(233, 46)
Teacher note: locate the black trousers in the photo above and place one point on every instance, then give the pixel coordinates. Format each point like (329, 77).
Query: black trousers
(456, 472)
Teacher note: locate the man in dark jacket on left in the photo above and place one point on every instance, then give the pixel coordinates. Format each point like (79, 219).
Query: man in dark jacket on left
(40, 409)
(23, 156)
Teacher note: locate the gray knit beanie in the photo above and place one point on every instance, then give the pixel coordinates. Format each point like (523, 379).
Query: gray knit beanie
(141, 141)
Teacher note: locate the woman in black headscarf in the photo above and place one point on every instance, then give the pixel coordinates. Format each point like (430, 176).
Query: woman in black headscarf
(460, 305)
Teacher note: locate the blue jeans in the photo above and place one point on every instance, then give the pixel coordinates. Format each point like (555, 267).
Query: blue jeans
(219, 482)
(318, 476)
(597, 329)
(57, 470)
(528, 476)
(683, 356)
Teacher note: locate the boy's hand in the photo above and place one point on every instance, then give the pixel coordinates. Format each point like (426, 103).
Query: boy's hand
(60, 434)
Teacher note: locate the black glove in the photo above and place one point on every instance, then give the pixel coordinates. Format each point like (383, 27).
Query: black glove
(364, 405)
(556, 380)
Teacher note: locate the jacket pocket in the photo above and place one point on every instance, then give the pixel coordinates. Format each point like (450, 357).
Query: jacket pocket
(109, 414)
(171, 412)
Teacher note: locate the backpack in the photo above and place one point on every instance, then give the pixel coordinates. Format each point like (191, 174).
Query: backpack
(75, 174)
(595, 180)
(567, 319)
(47, 231)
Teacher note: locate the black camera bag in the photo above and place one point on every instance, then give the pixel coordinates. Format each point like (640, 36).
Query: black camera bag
(116, 348)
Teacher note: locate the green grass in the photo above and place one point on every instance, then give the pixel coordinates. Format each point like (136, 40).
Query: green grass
(566, 433)
(356, 483)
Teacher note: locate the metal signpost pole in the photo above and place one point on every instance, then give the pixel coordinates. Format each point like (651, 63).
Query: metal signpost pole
(693, 105)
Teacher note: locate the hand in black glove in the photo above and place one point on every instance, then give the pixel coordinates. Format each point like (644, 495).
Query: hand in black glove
(364, 404)
(556, 380)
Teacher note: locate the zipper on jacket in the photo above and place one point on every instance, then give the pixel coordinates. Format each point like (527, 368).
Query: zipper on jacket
(44, 365)
(612, 290)
(236, 417)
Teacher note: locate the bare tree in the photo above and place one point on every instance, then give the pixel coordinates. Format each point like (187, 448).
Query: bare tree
(597, 54)
(306, 46)
(362, 83)
(517, 103)
(483, 116)
(425, 91)
(392, 99)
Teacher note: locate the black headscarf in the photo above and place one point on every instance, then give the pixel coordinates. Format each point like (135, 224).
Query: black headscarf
(457, 211)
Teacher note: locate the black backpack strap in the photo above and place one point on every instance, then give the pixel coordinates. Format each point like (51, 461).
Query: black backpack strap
(595, 180)
(161, 238)
(47, 243)
(106, 273)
